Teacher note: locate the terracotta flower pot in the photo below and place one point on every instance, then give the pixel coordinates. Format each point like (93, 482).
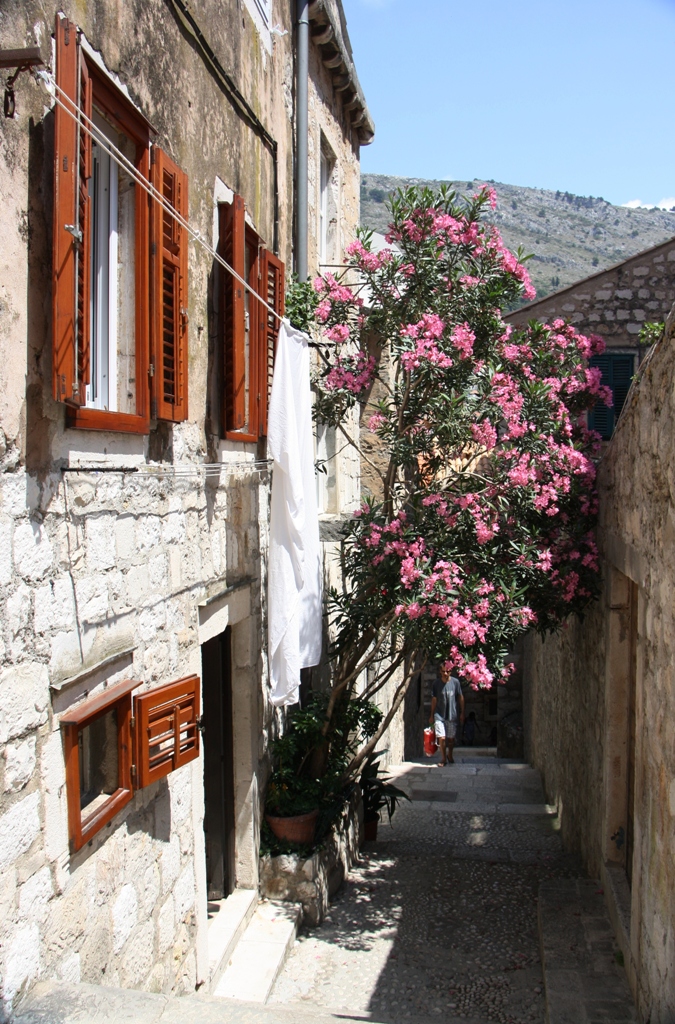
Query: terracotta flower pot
(298, 829)
(370, 830)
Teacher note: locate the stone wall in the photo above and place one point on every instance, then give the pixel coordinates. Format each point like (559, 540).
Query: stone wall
(587, 685)
(126, 567)
(615, 303)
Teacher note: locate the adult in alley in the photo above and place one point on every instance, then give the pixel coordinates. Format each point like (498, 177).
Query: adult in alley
(446, 695)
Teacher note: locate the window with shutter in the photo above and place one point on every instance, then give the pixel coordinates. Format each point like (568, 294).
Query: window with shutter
(166, 733)
(249, 329)
(104, 734)
(169, 277)
(617, 373)
(107, 310)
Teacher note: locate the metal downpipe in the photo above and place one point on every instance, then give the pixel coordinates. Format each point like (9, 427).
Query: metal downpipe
(302, 130)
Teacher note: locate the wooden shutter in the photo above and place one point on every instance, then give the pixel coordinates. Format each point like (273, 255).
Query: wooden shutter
(272, 290)
(166, 734)
(232, 243)
(617, 373)
(169, 314)
(70, 253)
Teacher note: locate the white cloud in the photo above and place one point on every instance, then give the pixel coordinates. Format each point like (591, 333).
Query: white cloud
(663, 204)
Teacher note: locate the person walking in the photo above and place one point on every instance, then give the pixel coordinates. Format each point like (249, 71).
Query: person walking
(446, 694)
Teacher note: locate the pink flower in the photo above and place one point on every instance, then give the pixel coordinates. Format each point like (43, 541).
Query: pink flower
(485, 434)
(376, 421)
(463, 338)
(339, 333)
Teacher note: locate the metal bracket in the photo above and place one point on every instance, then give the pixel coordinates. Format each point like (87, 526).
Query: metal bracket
(74, 231)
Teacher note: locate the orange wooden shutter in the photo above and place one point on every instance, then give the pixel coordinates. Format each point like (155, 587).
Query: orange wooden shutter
(272, 289)
(70, 254)
(166, 733)
(232, 243)
(169, 296)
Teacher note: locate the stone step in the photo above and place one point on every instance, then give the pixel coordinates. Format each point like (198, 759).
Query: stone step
(583, 977)
(55, 1002)
(260, 953)
(227, 925)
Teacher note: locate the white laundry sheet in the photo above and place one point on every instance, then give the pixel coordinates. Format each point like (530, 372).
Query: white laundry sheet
(294, 568)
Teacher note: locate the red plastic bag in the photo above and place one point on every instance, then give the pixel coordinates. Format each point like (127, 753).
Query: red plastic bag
(430, 744)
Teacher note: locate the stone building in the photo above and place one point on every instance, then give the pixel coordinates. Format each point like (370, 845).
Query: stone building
(614, 303)
(134, 487)
(600, 696)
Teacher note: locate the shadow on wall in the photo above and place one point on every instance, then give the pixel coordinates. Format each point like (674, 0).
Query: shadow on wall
(39, 425)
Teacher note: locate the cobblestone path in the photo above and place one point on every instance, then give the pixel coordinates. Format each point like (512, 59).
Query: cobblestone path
(439, 920)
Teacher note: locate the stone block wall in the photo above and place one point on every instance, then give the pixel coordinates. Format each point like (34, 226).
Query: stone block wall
(615, 303)
(120, 570)
(579, 708)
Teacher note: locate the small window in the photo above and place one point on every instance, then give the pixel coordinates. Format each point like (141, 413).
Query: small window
(617, 373)
(249, 329)
(97, 742)
(115, 745)
(327, 205)
(110, 318)
(326, 477)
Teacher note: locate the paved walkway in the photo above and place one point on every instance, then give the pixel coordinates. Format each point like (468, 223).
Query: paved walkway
(439, 921)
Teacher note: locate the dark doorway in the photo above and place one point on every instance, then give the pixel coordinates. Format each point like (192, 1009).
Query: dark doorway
(218, 765)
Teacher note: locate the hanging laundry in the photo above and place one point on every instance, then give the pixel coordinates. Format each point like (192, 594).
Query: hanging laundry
(294, 568)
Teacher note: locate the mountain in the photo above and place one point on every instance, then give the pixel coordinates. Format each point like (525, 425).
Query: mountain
(568, 236)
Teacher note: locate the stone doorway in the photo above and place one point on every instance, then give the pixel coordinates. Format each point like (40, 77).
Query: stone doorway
(219, 812)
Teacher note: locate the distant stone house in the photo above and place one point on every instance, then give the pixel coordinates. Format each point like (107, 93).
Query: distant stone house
(134, 489)
(614, 303)
(600, 696)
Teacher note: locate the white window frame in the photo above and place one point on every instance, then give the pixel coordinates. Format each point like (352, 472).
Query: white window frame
(104, 276)
(261, 12)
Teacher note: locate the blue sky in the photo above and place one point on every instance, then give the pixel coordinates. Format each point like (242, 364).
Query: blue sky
(576, 95)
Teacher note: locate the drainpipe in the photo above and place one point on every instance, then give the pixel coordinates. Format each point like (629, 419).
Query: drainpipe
(301, 128)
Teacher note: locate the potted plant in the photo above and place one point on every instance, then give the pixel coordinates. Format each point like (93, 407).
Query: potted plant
(308, 783)
(378, 794)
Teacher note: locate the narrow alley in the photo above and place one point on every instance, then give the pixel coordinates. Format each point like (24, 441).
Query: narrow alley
(441, 916)
(439, 920)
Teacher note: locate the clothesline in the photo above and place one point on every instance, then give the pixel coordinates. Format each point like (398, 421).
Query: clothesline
(208, 468)
(91, 129)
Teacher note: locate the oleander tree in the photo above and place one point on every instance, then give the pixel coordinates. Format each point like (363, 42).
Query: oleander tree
(483, 527)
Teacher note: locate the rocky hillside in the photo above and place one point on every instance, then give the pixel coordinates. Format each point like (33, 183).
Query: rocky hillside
(569, 236)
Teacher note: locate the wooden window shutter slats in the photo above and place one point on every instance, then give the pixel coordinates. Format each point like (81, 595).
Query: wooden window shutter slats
(72, 160)
(273, 292)
(169, 305)
(166, 733)
(232, 245)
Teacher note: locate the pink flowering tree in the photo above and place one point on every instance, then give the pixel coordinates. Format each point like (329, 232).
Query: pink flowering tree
(484, 524)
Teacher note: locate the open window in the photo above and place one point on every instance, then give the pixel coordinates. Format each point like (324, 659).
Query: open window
(119, 257)
(249, 328)
(115, 744)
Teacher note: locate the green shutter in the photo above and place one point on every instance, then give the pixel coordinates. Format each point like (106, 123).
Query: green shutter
(617, 374)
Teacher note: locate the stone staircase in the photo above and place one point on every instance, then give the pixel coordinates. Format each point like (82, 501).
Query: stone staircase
(249, 940)
(53, 1002)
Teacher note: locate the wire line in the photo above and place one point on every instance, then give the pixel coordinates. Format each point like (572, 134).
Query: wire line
(88, 126)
